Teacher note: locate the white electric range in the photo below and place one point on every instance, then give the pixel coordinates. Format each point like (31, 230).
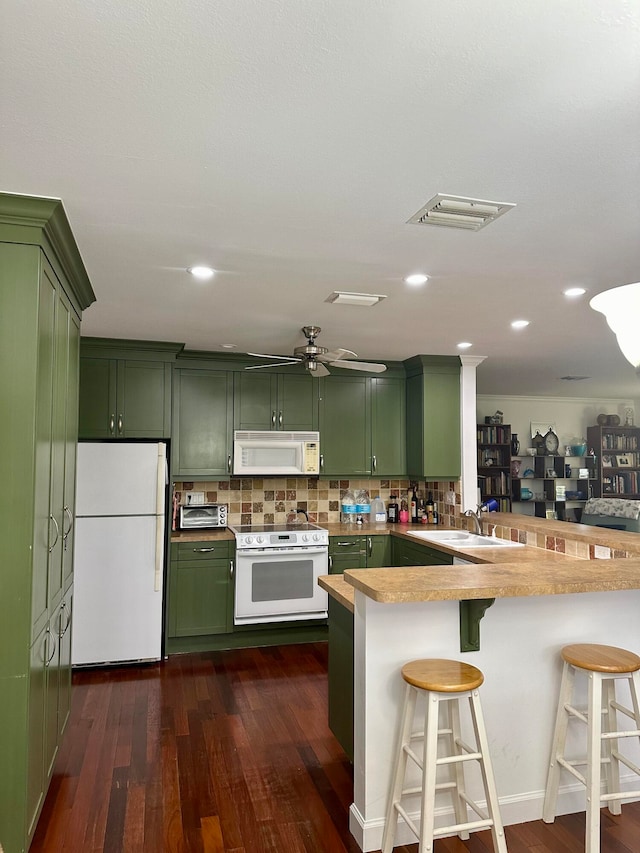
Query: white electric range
(277, 570)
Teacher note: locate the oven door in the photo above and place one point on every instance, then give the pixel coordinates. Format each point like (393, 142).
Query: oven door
(279, 585)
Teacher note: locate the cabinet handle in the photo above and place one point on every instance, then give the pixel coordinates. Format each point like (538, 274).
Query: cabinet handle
(369, 542)
(321, 461)
(374, 464)
(49, 635)
(203, 550)
(344, 544)
(55, 542)
(112, 423)
(330, 562)
(229, 464)
(231, 568)
(65, 533)
(119, 424)
(280, 419)
(62, 631)
(273, 418)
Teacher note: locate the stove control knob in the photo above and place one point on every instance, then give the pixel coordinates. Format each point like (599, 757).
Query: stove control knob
(260, 539)
(305, 537)
(248, 540)
(316, 537)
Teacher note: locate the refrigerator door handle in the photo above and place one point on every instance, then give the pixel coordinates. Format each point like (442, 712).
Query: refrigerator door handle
(162, 475)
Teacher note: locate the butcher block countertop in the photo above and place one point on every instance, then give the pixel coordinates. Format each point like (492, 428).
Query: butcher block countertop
(505, 580)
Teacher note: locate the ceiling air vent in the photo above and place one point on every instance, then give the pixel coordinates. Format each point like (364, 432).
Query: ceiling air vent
(456, 211)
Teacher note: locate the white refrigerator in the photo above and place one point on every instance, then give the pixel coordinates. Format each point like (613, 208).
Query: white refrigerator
(119, 552)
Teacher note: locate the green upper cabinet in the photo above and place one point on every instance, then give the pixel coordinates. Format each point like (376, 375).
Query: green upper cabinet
(362, 426)
(125, 389)
(345, 425)
(433, 417)
(264, 400)
(202, 423)
(388, 426)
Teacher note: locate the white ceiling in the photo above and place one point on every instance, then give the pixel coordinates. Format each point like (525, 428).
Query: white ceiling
(287, 142)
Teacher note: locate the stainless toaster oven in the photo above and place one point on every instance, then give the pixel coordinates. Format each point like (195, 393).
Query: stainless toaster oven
(199, 516)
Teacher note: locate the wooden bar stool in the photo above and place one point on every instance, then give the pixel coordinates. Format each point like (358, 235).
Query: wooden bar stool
(443, 682)
(604, 665)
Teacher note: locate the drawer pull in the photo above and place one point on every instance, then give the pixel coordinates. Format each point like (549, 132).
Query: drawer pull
(203, 550)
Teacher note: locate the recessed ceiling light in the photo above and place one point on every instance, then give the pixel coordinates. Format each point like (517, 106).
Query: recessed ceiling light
(464, 345)
(519, 324)
(364, 300)
(201, 273)
(417, 279)
(574, 291)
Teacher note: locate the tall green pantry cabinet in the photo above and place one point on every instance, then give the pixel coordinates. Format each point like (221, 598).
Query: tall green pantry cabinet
(43, 290)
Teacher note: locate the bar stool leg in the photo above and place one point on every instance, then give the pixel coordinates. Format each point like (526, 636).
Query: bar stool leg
(459, 804)
(429, 767)
(493, 806)
(612, 765)
(391, 821)
(558, 746)
(594, 765)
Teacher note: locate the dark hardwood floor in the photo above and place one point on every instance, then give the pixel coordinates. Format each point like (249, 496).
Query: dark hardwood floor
(229, 752)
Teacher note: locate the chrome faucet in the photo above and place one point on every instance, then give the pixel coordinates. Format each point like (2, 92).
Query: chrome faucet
(304, 512)
(476, 520)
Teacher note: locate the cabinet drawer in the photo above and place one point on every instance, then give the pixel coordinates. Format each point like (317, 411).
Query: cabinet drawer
(346, 545)
(200, 550)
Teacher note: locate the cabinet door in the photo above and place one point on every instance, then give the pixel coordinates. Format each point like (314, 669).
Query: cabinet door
(202, 423)
(201, 598)
(268, 401)
(37, 702)
(346, 552)
(71, 440)
(143, 407)
(297, 402)
(405, 553)
(62, 626)
(345, 426)
(255, 400)
(388, 427)
(97, 409)
(378, 551)
(43, 527)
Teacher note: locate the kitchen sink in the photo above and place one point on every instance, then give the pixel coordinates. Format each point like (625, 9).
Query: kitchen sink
(462, 539)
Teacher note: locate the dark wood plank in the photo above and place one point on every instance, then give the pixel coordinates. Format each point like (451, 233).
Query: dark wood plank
(230, 752)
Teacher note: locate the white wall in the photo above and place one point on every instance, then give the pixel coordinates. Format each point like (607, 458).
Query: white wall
(571, 416)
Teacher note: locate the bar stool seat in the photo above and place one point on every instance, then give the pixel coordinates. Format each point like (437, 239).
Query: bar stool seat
(604, 666)
(444, 683)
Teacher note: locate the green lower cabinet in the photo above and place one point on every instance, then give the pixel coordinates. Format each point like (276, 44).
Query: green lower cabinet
(406, 553)
(340, 675)
(200, 589)
(347, 552)
(358, 552)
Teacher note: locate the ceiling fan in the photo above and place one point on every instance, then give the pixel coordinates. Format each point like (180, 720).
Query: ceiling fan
(315, 357)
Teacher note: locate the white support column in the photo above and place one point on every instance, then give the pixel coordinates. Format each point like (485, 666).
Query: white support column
(468, 440)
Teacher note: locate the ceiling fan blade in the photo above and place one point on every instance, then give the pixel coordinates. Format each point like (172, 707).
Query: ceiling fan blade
(338, 354)
(366, 366)
(277, 364)
(321, 370)
(263, 355)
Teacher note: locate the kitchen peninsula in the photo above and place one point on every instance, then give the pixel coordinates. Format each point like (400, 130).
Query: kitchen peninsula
(544, 600)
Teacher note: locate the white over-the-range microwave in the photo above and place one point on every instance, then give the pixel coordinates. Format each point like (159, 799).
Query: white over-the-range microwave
(265, 453)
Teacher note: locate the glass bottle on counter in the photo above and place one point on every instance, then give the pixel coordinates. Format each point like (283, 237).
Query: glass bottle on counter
(392, 510)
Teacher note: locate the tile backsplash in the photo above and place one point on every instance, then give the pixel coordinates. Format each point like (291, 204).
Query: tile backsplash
(269, 500)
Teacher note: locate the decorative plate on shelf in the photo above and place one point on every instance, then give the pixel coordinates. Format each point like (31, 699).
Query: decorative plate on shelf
(551, 442)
